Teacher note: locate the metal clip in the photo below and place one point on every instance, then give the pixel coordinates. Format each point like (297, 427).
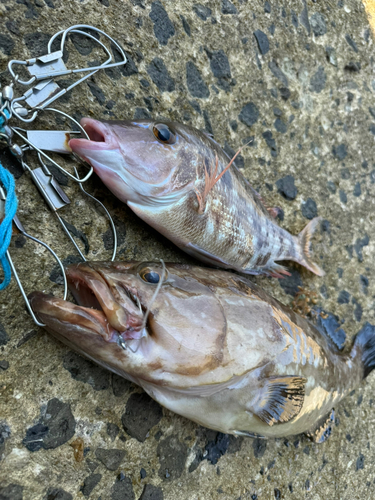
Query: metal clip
(51, 140)
(18, 131)
(45, 68)
(48, 186)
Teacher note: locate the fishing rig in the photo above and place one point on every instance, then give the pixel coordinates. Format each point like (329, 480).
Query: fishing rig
(43, 87)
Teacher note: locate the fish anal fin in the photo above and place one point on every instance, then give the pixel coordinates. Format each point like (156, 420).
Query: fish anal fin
(204, 256)
(281, 400)
(323, 429)
(277, 271)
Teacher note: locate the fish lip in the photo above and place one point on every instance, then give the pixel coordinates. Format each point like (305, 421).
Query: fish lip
(88, 314)
(100, 138)
(82, 281)
(90, 321)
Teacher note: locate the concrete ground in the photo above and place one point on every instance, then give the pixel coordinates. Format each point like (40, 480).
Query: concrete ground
(298, 76)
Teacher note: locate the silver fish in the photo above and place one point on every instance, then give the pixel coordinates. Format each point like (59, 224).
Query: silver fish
(208, 345)
(180, 181)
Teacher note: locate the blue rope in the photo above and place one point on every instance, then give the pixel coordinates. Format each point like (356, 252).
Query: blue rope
(11, 203)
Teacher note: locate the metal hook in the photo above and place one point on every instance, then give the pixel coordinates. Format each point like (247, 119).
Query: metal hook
(108, 215)
(20, 227)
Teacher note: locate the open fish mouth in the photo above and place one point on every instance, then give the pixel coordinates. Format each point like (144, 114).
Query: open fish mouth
(106, 306)
(100, 136)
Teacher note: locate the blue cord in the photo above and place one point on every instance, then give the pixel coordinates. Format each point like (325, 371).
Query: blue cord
(11, 203)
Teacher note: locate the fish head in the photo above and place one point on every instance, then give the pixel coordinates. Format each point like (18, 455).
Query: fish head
(143, 161)
(140, 320)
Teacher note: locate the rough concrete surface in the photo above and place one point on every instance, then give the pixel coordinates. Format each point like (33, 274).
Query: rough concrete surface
(298, 77)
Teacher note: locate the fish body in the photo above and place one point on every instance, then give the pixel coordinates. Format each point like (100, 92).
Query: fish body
(169, 174)
(209, 345)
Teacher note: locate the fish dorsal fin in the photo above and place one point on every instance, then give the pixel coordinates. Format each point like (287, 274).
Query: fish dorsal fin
(323, 429)
(281, 400)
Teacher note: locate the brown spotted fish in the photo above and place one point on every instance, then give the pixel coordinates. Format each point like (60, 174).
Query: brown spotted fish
(208, 345)
(180, 181)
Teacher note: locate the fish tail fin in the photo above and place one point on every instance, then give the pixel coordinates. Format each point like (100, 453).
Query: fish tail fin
(304, 243)
(364, 346)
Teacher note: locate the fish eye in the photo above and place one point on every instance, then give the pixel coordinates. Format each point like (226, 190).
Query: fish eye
(150, 276)
(152, 272)
(163, 133)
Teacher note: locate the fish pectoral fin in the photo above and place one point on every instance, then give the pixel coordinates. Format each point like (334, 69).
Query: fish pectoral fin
(323, 429)
(281, 399)
(204, 256)
(273, 211)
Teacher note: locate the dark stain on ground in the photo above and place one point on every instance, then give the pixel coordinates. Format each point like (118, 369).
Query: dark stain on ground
(11, 492)
(202, 12)
(89, 484)
(160, 75)
(291, 284)
(111, 459)
(228, 8)
(3, 336)
(195, 83)
(120, 385)
(185, 25)
(107, 237)
(55, 428)
(358, 246)
(57, 494)
(141, 414)
(249, 114)
(271, 143)
(220, 68)
(163, 26)
(97, 92)
(262, 40)
(112, 430)
(4, 435)
(56, 276)
(27, 337)
(221, 444)
(83, 370)
(8, 160)
(259, 447)
(151, 492)
(343, 297)
(309, 209)
(172, 457)
(330, 326)
(286, 187)
(122, 488)
(78, 234)
(360, 462)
